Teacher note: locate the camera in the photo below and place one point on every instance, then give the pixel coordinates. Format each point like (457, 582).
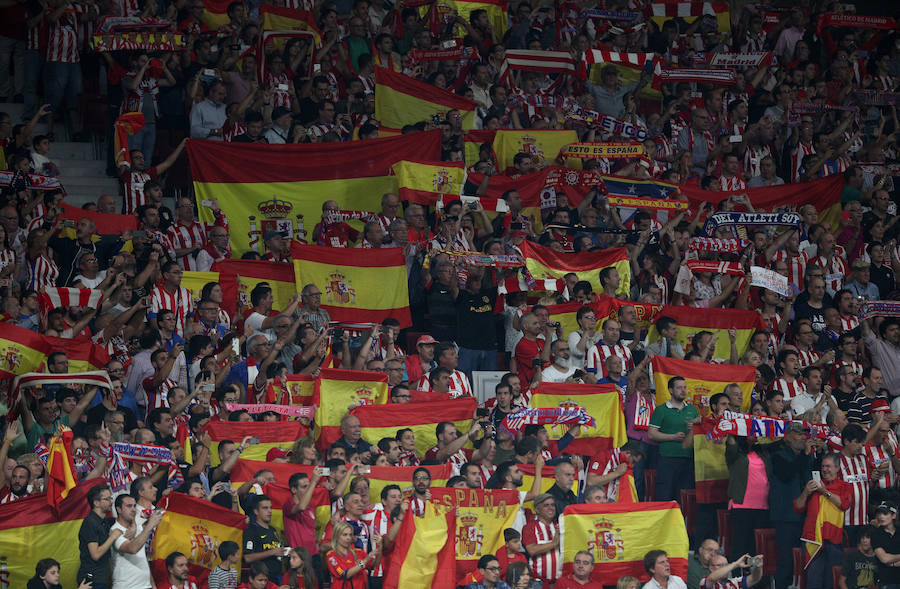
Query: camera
(537, 362)
(755, 562)
(472, 205)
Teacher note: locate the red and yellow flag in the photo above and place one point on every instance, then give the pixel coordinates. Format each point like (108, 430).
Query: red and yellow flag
(602, 402)
(824, 521)
(301, 387)
(542, 145)
(354, 287)
(710, 469)
(424, 182)
(528, 471)
(280, 187)
(271, 434)
(126, 125)
(608, 307)
(544, 262)
(60, 468)
(424, 553)
(401, 100)
(282, 18)
(238, 278)
(383, 421)
(336, 391)
(473, 141)
(195, 527)
(26, 351)
(565, 314)
(105, 224)
(620, 534)
(31, 530)
(718, 321)
(703, 380)
(481, 517)
(280, 491)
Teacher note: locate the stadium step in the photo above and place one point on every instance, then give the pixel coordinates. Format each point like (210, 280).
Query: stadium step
(82, 165)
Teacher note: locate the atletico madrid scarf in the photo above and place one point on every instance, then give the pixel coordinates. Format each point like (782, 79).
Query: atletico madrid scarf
(331, 217)
(145, 454)
(879, 309)
(712, 244)
(516, 421)
(307, 412)
(715, 77)
(700, 266)
(761, 426)
(716, 220)
(856, 21)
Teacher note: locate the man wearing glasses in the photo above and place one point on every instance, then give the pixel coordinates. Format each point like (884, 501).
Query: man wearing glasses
(310, 311)
(489, 567)
(187, 236)
(95, 538)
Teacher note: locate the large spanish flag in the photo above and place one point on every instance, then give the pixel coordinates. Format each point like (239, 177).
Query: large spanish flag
(280, 491)
(607, 307)
(528, 471)
(238, 278)
(276, 187)
(271, 434)
(544, 262)
(425, 182)
(196, 528)
(710, 470)
(481, 517)
(401, 100)
(718, 321)
(620, 534)
(336, 391)
(282, 18)
(383, 421)
(104, 223)
(215, 14)
(24, 351)
(542, 145)
(31, 530)
(424, 554)
(703, 380)
(602, 402)
(360, 285)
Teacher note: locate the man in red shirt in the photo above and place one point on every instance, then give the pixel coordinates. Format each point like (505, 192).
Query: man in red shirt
(177, 565)
(541, 539)
(532, 347)
(580, 577)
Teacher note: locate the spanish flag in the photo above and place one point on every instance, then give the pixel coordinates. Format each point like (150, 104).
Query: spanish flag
(565, 314)
(126, 125)
(824, 521)
(543, 262)
(336, 391)
(194, 281)
(496, 11)
(238, 278)
(280, 187)
(710, 469)
(703, 380)
(542, 145)
(602, 402)
(424, 182)
(528, 471)
(60, 468)
(718, 321)
(244, 470)
(195, 527)
(281, 18)
(607, 307)
(215, 14)
(276, 434)
(383, 421)
(30, 530)
(367, 285)
(26, 351)
(301, 388)
(691, 11)
(620, 534)
(104, 223)
(401, 100)
(424, 554)
(473, 140)
(481, 517)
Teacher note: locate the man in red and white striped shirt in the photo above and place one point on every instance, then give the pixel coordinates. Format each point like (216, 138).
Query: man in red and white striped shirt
(835, 266)
(796, 260)
(132, 178)
(158, 385)
(595, 360)
(789, 384)
(541, 540)
(884, 456)
(188, 236)
(447, 357)
(378, 520)
(731, 178)
(169, 294)
(856, 470)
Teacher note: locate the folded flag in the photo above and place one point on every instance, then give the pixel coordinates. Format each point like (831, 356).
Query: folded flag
(601, 402)
(424, 553)
(718, 321)
(710, 469)
(703, 380)
(425, 182)
(620, 534)
(481, 517)
(543, 262)
(278, 434)
(383, 421)
(354, 286)
(195, 527)
(126, 125)
(60, 468)
(401, 100)
(336, 391)
(516, 421)
(279, 187)
(824, 521)
(30, 529)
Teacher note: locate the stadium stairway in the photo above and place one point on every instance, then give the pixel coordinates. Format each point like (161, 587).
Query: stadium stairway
(82, 165)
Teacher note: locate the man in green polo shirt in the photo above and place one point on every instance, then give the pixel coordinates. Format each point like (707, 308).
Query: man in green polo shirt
(668, 428)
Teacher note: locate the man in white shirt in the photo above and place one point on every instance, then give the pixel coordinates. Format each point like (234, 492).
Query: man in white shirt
(656, 563)
(559, 371)
(815, 397)
(130, 569)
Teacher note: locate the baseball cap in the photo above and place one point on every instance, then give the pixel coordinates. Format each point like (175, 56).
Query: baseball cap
(886, 507)
(275, 453)
(879, 405)
(273, 233)
(425, 339)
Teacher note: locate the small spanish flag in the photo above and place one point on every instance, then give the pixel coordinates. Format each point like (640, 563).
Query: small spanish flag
(543, 262)
(336, 391)
(424, 552)
(277, 434)
(401, 100)
(424, 182)
(60, 468)
(381, 421)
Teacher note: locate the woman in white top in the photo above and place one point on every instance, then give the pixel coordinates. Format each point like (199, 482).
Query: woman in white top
(583, 339)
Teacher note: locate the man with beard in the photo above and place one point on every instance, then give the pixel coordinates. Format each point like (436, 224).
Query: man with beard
(17, 486)
(110, 402)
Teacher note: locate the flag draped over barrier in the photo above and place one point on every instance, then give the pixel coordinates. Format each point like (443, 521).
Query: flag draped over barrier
(602, 402)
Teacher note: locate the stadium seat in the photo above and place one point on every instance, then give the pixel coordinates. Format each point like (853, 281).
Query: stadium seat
(799, 568)
(723, 520)
(836, 575)
(649, 484)
(689, 509)
(765, 545)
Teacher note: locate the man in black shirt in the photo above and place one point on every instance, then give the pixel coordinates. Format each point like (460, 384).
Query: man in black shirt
(886, 544)
(261, 543)
(111, 398)
(95, 538)
(474, 315)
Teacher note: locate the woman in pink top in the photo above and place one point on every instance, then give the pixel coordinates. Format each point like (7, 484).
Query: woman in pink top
(749, 470)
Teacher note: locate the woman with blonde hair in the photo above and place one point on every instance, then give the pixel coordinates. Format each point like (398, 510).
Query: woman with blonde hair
(304, 452)
(346, 563)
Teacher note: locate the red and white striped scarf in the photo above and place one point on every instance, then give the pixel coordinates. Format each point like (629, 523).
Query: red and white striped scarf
(699, 266)
(712, 244)
(714, 77)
